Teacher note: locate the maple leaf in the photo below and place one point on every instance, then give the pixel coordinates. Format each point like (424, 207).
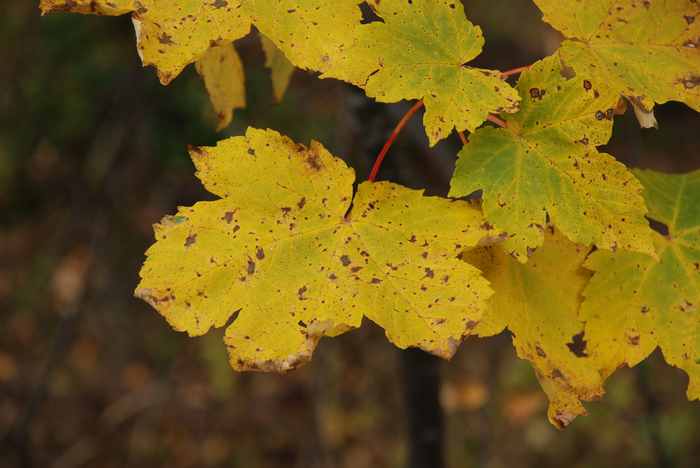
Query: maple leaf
(294, 256)
(635, 303)
(647, 51)
(545, 164)
(539, 303)
(417, 50)
(169, 34)
(97, 7)
(281, 69)
(224, 78)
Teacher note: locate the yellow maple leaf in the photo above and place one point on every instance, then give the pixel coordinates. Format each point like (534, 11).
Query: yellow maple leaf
(294, 256)
(169, 34)
(539, 303)
(417, 51)
(647, 51)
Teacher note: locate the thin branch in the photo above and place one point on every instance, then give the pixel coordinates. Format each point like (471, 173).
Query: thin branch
(514, 71)
(462, 138)
(497, 121)
(385, 149)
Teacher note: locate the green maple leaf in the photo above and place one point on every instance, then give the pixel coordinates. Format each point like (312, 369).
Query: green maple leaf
(294, 256)
(545, 164)
(648, 51)
(418, 50)
(635, 303)
(539, 302)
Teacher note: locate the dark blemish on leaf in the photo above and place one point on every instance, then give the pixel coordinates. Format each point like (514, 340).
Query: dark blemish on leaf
(301, 203)
(599, 115)
(587, 85)
(166, 39)
(219, 4)
(578, 345)
(314, 162)
(644, 309)
(228, 217)
(536, 93)
(633, 340)
(345, 260)
(301, 324)
(301, 292)
(191, 239)
(472, 324)
(556, 374)
(285, 210)
(375, 281)
(260, 253)
(251, 266)
(251, 151)
(356, 269)
(332, 277)
(412, 239)
(691, 82)
(446, 279)
(540, 352)
(429, 273)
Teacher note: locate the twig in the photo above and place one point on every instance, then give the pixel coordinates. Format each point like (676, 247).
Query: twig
(385, 149)
(514, 71)
(495, 119)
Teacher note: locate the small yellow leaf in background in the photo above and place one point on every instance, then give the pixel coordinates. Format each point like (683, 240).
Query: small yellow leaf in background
(292, 256)
(281, 69)
(539, 303)
(223, 75)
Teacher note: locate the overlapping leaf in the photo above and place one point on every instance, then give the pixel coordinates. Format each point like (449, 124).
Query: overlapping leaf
(635, 303)
(539, 303)
(414, 50)
(291, 249)
(646, 50)
(545, 164)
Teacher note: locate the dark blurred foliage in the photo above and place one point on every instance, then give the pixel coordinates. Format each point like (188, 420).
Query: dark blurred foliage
(92, 152)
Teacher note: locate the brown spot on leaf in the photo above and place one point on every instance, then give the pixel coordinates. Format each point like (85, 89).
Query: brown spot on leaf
(578, 345)
(251, 266)
(260, 253)
(301, 293)
(429, 273)
(191, 239)
(345, 260)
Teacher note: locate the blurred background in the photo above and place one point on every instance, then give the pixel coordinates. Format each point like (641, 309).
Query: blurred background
(93, 152)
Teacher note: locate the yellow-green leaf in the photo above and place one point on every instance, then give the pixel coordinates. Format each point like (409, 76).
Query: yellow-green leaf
(635, 303)
(223, 75)
(545, 164)
(417, 51)
(646, 50)
(539, 303)
(294, 256)
(281, 69)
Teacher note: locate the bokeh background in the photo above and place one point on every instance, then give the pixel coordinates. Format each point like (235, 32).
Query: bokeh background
(93, 152)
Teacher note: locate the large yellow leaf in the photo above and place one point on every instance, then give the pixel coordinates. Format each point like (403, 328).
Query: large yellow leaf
(635, 303)
(539, 303)
(646, 50)
(418, 50)
(289, 247)
(545, 164)
(169, 34)
(223, 75)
